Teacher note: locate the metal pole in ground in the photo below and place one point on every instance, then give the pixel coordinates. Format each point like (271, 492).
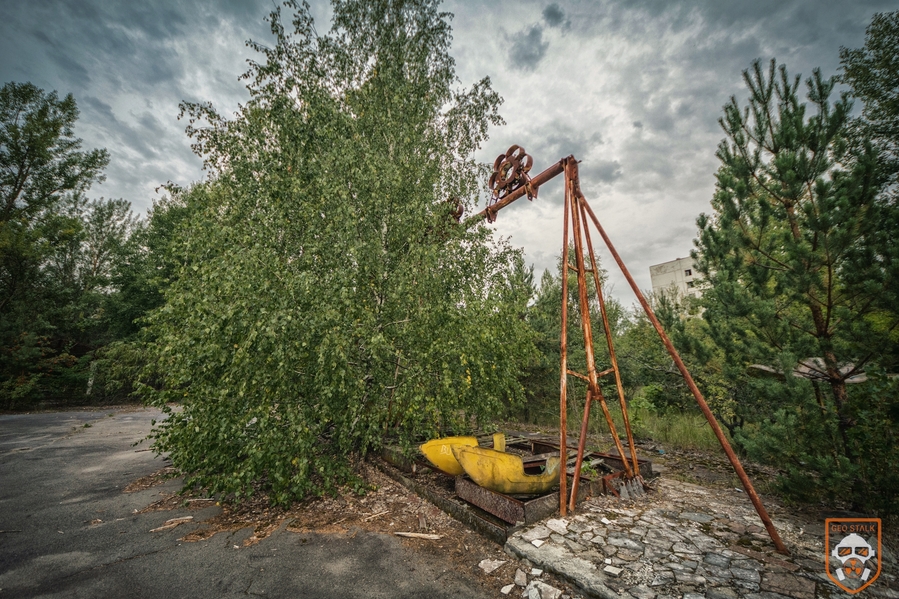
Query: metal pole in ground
(563, 373)
(577, 224)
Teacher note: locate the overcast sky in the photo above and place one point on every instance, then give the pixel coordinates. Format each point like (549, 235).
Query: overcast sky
(632, 88)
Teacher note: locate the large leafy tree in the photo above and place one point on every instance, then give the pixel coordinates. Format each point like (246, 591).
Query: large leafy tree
(41, 166)
(148, 263)
(326, 298)
(784, 255)
(41, 160)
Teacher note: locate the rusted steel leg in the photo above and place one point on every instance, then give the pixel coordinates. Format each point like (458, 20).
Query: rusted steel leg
(735, 462)
(582, 444)
(571, 174)
(563, 383)
(608, 331)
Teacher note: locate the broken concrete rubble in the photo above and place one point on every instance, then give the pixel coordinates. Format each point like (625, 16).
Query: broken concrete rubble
(521, 579)
(489, 565)
(544, 591)
(684, 541)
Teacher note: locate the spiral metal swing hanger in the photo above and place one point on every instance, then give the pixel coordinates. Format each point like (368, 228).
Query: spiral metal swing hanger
(510, 181)
(510, 172)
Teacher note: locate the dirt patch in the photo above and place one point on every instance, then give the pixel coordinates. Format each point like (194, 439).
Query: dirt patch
(706, 468)
(151, 480)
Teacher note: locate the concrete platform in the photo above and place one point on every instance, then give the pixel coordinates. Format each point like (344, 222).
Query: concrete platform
(690, 542)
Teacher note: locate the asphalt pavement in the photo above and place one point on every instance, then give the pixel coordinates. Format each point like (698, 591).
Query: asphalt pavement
(67, 529)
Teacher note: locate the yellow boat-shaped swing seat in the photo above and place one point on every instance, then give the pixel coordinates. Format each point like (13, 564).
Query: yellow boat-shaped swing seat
(504, 472)
(440, 453)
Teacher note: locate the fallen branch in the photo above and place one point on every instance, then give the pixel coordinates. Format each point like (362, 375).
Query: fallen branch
(419, 535)
(169, 524)
(373, 516)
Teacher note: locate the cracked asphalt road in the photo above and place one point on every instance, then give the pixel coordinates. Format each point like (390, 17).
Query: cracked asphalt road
(68, 530)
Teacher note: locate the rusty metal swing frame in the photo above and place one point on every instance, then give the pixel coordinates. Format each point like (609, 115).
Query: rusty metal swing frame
(510, 181)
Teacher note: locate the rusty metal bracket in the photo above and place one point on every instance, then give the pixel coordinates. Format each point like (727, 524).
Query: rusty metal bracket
(515, 192)
(456, 208)
(510, 172)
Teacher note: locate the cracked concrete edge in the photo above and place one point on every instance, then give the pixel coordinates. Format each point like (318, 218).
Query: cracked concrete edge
(561, 562)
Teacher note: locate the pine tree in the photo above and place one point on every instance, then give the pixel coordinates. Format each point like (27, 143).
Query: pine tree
(794, 209)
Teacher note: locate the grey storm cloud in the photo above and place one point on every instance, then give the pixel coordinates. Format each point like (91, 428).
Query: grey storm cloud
(129, 64)
(100, 110)
(555, 16)
(138, 136)
(560, 139)
(606, 170)
(527, 48)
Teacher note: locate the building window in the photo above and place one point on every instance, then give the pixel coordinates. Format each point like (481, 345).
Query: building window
(688, 273)
(689, 284)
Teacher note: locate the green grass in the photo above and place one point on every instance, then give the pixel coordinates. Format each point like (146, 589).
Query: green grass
(678, 429)
(686, 430)
(683, 430)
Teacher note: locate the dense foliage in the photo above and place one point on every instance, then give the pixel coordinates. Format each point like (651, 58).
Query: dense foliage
(872, 73)
(797, 277)
(325, 298)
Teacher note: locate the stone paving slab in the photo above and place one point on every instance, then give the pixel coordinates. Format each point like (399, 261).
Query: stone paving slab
(690, 542)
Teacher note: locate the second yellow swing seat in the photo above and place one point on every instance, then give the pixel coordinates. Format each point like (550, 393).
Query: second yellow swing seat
(504, 472)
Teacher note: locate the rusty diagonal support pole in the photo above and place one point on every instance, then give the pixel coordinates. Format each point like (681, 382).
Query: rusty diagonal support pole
(734, 460)
(540, 179)
(594, 391)
(608, 331)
